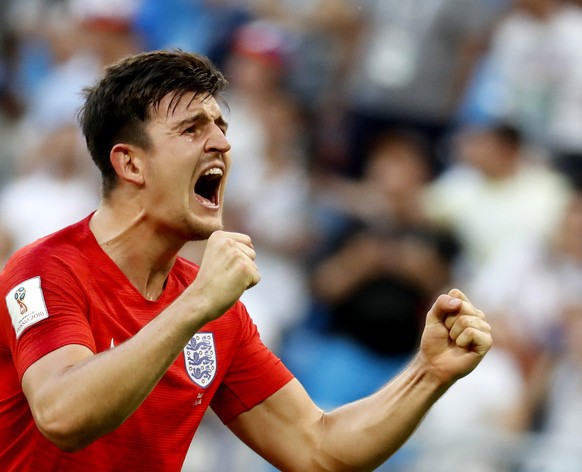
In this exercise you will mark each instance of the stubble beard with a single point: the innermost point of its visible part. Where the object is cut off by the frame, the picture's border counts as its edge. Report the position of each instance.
(202, 232)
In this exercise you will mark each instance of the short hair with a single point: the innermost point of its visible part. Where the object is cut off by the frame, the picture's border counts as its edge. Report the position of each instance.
(118, 107)
(508, 133)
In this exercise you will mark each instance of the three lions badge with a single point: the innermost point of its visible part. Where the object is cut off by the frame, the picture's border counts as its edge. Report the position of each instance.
(200, 359)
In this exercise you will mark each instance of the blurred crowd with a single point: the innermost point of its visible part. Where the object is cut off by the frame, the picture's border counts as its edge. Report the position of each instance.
(384, 151)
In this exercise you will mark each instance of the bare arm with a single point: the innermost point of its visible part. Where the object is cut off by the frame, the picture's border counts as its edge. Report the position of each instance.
(76, 396)
(290, 431)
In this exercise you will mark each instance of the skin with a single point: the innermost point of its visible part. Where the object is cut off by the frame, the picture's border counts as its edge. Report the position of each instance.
(142, 225)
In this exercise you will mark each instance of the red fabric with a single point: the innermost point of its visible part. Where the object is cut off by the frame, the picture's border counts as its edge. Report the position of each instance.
(91, 302)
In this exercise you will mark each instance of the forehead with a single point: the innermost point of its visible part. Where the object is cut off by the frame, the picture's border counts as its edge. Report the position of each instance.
(172, 109)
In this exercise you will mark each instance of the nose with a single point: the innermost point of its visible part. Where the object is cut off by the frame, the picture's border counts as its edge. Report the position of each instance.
(217, 141)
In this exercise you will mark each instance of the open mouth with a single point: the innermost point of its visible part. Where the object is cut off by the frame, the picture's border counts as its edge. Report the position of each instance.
(207, 187)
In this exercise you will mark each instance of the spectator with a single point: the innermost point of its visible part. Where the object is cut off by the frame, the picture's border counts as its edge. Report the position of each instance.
(411, 67)
(380, 265)
(204, 26)
(558, 449)
(10, 105)
(52, 190)
(496, 194)
(532, 76)
(323, 33)
(544, 284)
(83, 37)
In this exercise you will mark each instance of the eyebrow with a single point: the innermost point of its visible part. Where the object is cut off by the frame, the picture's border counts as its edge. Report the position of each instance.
(201, 117)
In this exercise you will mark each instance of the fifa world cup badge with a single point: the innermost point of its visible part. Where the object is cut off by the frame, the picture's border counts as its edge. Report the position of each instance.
(26, 305)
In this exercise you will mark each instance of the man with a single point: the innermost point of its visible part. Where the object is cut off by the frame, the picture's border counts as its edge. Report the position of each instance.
(112, 347)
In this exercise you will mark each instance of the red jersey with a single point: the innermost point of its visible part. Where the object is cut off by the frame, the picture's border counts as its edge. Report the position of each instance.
(64, 289)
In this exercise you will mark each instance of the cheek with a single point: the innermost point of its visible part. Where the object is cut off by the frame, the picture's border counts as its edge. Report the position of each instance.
(227, 156)
(228, 163)
(175, 175)
(171, 189)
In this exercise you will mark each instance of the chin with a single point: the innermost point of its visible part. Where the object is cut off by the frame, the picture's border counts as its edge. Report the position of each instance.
(202, 231)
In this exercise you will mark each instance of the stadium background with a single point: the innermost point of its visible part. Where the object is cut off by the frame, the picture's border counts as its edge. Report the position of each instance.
(384, 151)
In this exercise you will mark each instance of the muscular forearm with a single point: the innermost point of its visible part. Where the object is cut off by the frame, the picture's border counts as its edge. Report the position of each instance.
(94, 394)
(290, 431)
(362, 435)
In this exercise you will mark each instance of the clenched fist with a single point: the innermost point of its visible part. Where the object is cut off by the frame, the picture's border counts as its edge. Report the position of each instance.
(227, 269)
(455, 338)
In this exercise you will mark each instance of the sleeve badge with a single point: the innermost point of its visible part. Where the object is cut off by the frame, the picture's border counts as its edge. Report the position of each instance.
(26, 305)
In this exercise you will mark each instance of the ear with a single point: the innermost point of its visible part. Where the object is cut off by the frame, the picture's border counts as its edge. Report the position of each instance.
(128, 163)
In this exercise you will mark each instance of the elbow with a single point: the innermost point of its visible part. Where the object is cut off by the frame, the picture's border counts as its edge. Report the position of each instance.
(331, 463)
(66, 441)
(63, 436)
(334, 463)
(68, 445)
(331, 455)
(64, 430)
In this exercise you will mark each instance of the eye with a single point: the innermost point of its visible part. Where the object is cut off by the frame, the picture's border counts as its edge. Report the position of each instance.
(192, 129)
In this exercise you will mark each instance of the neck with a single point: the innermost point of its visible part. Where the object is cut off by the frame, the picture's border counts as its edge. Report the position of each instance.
(136, 247)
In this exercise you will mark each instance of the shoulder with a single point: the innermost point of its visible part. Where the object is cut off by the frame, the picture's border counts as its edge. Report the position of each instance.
(64, 251)
(54, 264)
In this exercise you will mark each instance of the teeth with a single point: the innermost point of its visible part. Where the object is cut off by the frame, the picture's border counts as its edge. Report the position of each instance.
(213, 171)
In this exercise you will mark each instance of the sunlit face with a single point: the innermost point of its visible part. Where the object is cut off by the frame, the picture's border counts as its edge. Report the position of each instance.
(186, 167)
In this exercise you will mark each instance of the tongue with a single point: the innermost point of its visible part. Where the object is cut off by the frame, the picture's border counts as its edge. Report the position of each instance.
(204, 201)
(201, 199)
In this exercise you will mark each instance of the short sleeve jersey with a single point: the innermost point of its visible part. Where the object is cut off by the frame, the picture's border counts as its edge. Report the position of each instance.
(64, 290)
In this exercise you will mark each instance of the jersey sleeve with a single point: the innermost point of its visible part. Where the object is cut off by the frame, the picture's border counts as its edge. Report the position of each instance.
(254, 375)
(44, 307)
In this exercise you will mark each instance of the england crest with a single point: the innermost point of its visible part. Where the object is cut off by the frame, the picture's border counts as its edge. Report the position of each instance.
(200, 359)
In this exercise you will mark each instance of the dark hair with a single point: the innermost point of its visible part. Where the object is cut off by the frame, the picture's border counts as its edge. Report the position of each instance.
(119, 105)
(507, 133)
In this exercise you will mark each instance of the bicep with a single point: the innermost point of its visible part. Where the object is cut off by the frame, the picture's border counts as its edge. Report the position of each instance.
(284, 428)
(45, 371)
